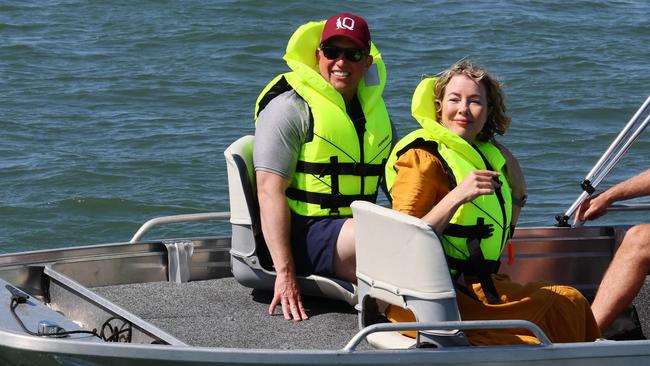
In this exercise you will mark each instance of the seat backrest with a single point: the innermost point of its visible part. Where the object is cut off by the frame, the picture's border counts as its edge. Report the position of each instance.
(251, 261)
(400, 251)
(239, 157)
(247, 239)
(400, 261)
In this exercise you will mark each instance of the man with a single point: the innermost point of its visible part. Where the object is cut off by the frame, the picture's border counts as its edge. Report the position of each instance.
(626, 273)
(322, 137)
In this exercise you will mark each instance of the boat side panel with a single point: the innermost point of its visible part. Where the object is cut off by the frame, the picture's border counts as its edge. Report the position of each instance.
(113, 264)
(576, 257)
(95, 272)
(27, 278)
(211, 259)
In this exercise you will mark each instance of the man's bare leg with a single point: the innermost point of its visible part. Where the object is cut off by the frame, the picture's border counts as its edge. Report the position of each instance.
(624, 277)
(344, 256)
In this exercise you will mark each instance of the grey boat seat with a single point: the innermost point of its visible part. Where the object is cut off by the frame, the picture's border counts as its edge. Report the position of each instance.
(400, 261)
(250, 259)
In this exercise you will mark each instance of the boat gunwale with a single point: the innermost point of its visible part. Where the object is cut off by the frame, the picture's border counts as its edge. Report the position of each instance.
(515, 354)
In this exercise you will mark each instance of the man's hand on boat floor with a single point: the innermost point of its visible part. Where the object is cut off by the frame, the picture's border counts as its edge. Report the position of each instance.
(287, 294)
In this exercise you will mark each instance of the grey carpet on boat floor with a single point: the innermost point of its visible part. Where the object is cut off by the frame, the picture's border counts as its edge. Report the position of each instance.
(222, 313)
(642, 306)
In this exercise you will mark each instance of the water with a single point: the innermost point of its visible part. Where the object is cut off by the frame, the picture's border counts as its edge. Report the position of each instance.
(114, 112)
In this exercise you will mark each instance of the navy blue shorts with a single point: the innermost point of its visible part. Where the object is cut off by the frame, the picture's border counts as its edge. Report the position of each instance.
(313, 241)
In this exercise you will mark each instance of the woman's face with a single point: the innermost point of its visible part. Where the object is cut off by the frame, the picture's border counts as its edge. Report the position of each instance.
(464, 108)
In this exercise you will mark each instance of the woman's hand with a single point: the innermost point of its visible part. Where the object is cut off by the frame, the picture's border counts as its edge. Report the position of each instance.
(476, 183)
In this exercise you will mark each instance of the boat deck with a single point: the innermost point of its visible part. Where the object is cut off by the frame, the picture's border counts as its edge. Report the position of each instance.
(222, 313)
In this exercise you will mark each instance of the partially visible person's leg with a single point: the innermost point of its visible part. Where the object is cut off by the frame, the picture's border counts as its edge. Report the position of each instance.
(324, 246)
(624, 277)
(344, 256)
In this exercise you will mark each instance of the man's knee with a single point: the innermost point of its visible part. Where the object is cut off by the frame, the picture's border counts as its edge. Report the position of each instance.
(639, 233)
(637, 241)
(345, 242)
(345, 253)
(641, 230)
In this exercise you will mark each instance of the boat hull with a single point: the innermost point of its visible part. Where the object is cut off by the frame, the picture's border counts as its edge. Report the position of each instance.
(575, 256)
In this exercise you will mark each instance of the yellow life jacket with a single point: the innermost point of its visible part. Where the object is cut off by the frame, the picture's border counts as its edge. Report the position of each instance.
(338, 165)
(472, 221)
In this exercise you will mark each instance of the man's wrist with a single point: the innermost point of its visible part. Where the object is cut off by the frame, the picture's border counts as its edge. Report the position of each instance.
(607, 198)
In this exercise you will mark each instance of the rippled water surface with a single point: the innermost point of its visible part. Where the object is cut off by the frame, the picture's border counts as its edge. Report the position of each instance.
(114, 112)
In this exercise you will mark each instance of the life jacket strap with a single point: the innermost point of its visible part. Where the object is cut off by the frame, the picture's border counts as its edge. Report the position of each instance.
(465, 266)
(328, 201)
(334, 183)
(334, 169)
(281, 86)
(484, 276)
(469, 231)
(476, 264)
(321, 169)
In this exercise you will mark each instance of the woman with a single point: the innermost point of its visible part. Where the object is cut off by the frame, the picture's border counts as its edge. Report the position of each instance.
(470, 189)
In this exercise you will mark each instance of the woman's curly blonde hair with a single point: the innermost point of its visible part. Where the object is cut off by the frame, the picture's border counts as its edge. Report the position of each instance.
(497, 120)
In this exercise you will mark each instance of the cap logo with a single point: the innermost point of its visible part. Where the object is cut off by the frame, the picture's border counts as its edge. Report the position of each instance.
(345, 23)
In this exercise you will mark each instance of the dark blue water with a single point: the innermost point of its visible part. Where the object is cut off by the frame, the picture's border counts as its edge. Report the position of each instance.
(114, 112)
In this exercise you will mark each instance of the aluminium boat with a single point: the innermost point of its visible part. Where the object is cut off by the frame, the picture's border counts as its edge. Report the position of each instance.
(127, 292)
(204, 301)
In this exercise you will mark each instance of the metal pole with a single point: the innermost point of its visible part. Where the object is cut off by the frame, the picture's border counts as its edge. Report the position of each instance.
(618, 139)
(621, 152)
(590, 183)
(177, 219)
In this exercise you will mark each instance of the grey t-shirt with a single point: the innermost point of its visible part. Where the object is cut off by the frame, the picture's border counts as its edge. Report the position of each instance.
(282, 129)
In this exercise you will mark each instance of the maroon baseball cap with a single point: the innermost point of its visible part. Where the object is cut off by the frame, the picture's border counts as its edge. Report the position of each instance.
(350, 26)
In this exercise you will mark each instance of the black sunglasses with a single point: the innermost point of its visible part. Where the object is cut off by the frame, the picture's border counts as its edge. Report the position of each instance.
(334, 52)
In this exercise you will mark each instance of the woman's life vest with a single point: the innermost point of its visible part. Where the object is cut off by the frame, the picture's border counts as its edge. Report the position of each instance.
(339, 164)
(478, 230)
